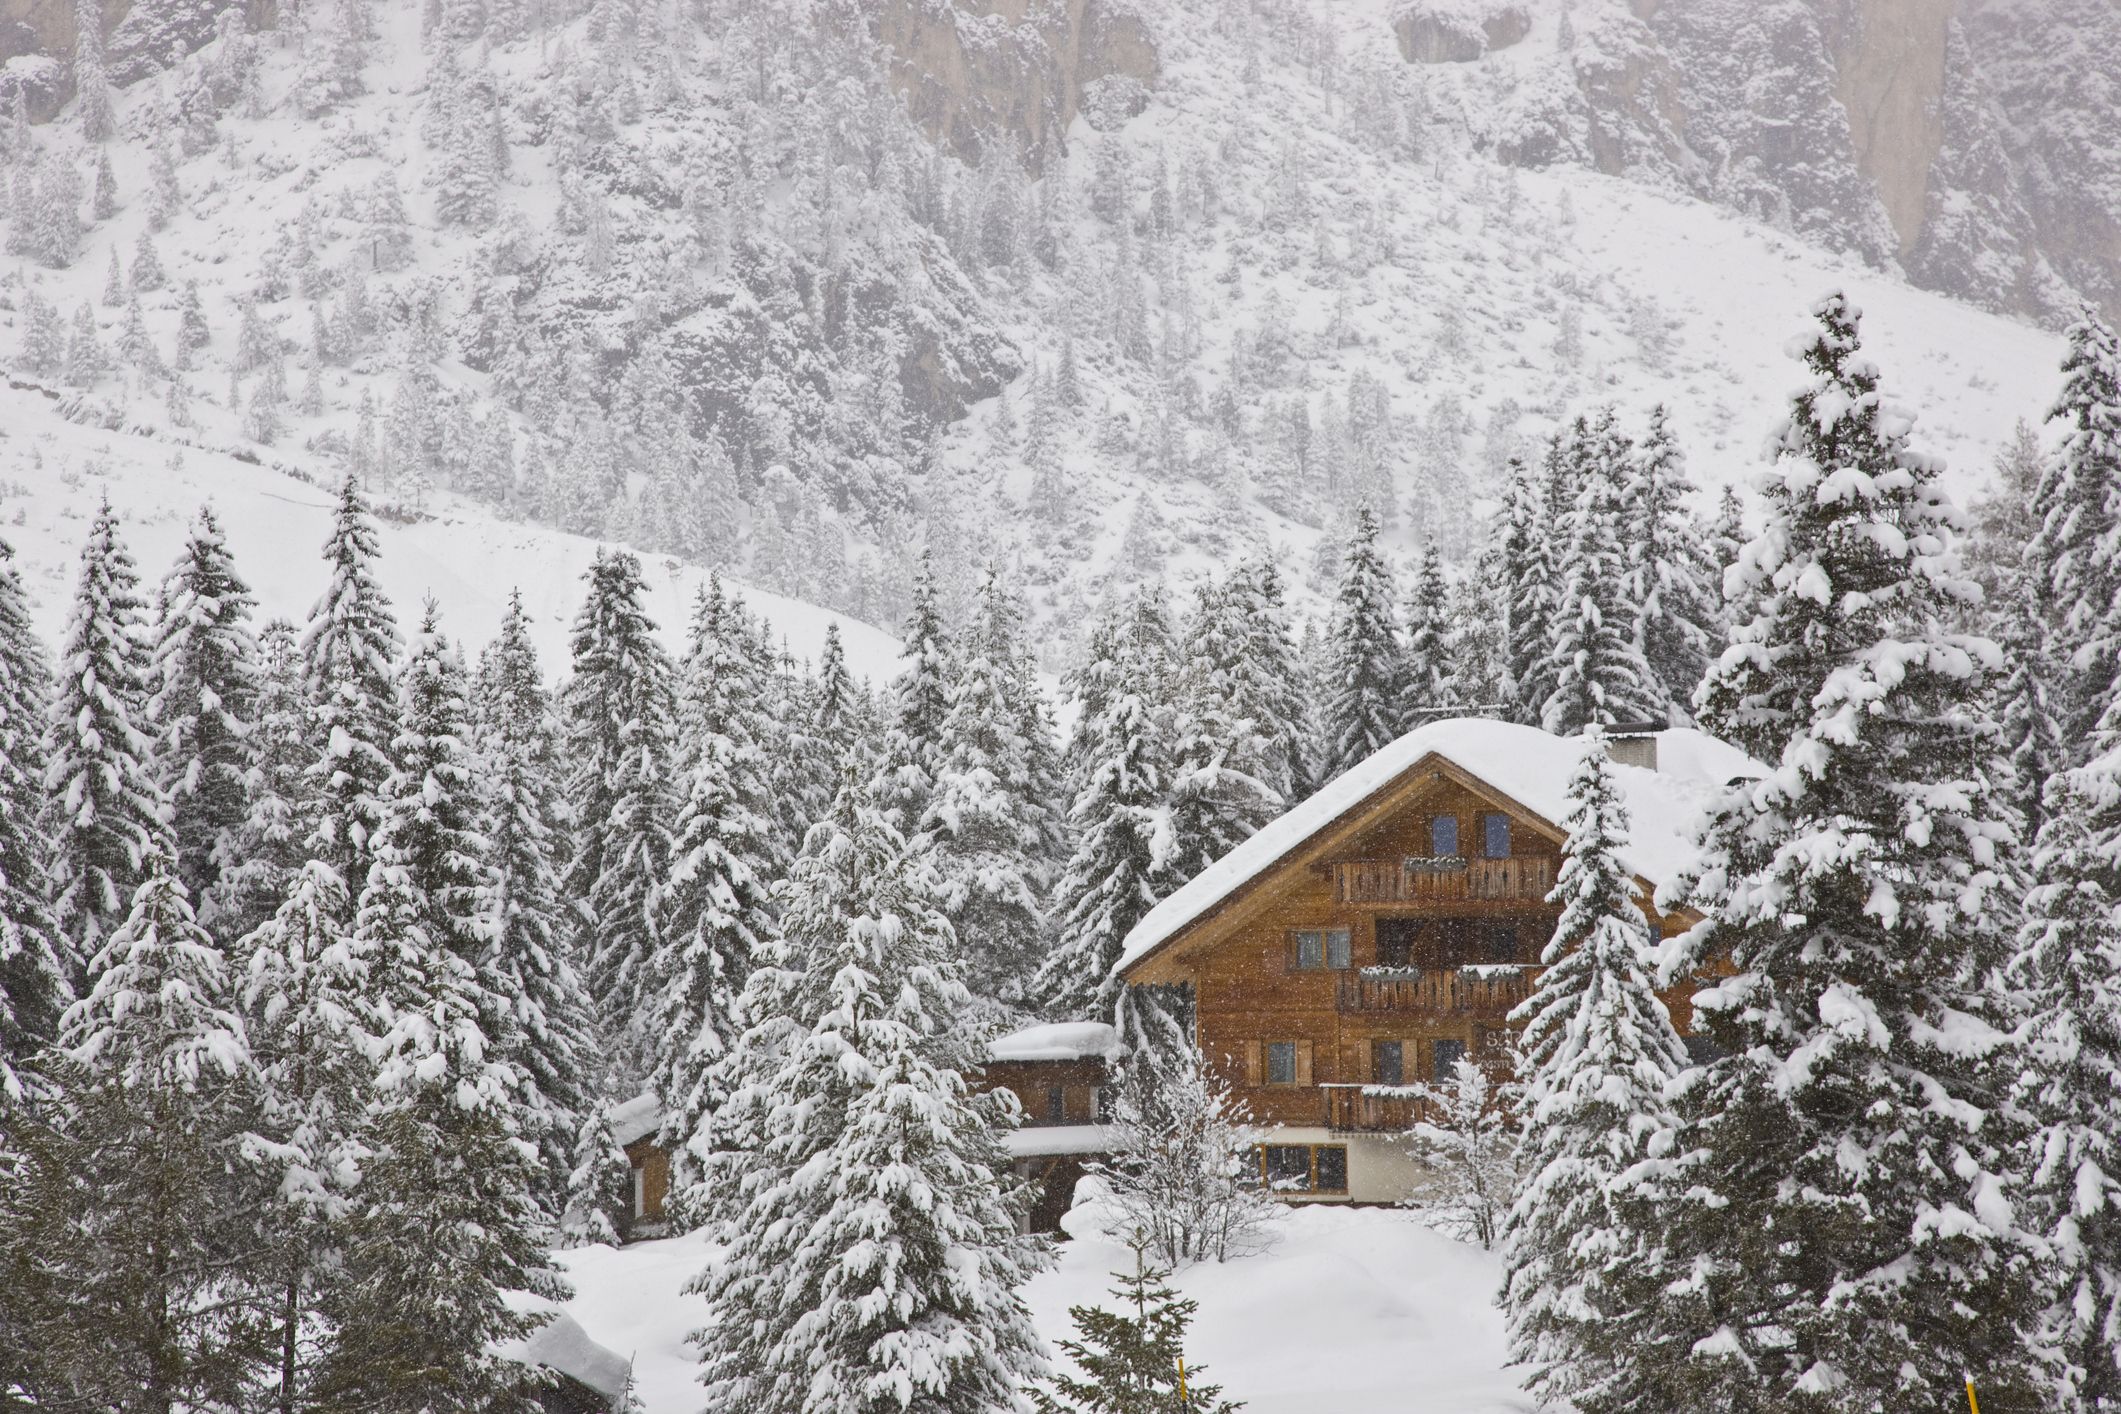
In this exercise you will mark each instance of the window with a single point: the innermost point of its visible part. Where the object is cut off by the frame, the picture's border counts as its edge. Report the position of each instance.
(1502, 942)
(1281, 1062)
(640, 1193)
(1395, 941)
(1443, 834)
(1305, 1168)
(1495, 836)
(1056, 1105)
(1447, 1055)
(1100, 1104)
(1317, 948)
(1388, 1063)
(1288, 1166)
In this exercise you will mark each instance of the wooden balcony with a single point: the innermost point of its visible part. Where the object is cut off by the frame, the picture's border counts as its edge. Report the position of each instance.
(1487, 995)
(1348, 1110)
(1408, 881)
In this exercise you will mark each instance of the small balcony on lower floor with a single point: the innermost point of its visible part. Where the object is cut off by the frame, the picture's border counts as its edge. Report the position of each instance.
(1355, 1109)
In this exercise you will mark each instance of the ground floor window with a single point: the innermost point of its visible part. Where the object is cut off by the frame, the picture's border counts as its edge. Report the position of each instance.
(640, 1193)
(1304, 1168)
(1447, 1056)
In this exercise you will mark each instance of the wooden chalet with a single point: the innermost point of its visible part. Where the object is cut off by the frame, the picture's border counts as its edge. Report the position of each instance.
(1062, 1075)
(1385, 928)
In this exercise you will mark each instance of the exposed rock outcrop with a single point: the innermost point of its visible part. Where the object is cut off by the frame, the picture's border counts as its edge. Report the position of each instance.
(972, 70)
(1928, 134)
(1457, 31)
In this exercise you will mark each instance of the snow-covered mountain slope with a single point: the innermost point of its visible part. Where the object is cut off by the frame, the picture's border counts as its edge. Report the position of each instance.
(1362, 1311)
(695, 280)
(57, 473)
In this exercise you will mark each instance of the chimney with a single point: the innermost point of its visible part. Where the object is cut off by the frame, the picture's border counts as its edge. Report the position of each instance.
(1634, 743)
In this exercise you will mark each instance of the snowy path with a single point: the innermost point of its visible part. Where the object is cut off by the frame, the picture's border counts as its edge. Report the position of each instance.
(1353, 1312)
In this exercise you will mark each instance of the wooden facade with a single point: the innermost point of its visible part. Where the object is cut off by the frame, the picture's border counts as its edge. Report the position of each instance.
(651, 1183)
(1051, 1092)
(1391, 942)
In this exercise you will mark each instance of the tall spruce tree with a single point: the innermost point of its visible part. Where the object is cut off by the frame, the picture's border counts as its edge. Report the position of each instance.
(619, 706)
(1672, 580)
(531, 960)
(715, 920)
(1268, 676)
(349, 652)
(203, 710)
(1120, 865)
(915, 707)
(872, 1256)
(1835, 1190)
(273, 842)
(2076, 555)
(35, 984)
(1525, 539)
(1221, 754)
(1364, 696)
(124, 1226)
(2067, 968)
(448, 1176)
(1595, 1056)
(305, 1002)
(1426, 669)
(1598, 672)
(107, 810)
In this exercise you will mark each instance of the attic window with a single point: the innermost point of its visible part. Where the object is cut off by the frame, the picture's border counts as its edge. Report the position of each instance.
(1495, 836)
(1443, 834)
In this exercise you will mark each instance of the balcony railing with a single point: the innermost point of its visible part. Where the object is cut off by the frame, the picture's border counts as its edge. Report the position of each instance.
(1526, 880)
(1349, 1110)
(1488, 993)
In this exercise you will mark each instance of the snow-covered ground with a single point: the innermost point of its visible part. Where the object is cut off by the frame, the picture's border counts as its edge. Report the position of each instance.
(54, 473)
(1356, 1311)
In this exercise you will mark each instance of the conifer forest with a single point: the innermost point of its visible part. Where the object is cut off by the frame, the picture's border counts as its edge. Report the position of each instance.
(1075, 707)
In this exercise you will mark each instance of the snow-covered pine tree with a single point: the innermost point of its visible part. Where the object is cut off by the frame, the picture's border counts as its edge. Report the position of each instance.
(914, 708)
(1426, 677)
(561, 1056)
(35, 981)
(349, 652)
(106, 809)
(1846, 1151)
(2076, 555)
(125, 1215)
(1598, 672)
(273, 842)
(304, 994)
(731, 683)
(1363, 701)
(1120, 864)
(1269, 683)
(448, 1174)
(872, 1256)
(2067, 969)
(714, 918)
(1595, 1055)
(983, 817)
(619, 708)
(203, 709)
(1221, 754)
(1525, 537)
(1133, 1360)
(1672, 580)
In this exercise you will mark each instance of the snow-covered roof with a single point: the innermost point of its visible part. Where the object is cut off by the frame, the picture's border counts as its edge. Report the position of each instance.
(1057, 1041)
(1530, 766)
(636, 1119)
(561, 1344)
(1044, 1140)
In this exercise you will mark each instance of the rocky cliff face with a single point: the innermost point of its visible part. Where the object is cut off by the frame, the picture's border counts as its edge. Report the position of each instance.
(972, 70)
(1975, 144)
